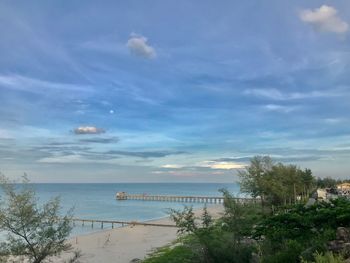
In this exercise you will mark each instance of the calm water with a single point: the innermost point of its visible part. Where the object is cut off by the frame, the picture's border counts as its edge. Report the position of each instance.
(97, 201)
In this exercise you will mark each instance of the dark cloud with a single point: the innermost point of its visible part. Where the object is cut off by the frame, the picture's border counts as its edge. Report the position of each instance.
(59, 143)
(52, 148)
(233, 159)
(22, 155)
(100, 140)
(98, 156)
(150, 154)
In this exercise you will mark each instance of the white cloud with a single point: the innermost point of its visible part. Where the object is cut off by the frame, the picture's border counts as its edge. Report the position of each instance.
(172, 166)
(88, 130)
(22, 83)
(334, 120)
(275, 94)
(221, 165)
(138, 46)
(5, 134)
(325, 19)
(75, 158)
(279, 108)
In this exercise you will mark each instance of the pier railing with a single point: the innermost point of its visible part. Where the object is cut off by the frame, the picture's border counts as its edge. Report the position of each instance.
(174, 198)
(114, 223)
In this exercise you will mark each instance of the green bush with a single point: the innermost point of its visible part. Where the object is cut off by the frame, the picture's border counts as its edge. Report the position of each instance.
(328, 257)
(179, 253)
(296, 234)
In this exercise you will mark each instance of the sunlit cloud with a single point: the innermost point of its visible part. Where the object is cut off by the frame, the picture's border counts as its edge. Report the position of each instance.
(172, 166)
(88, 130)
(221, 165)
(325, 18)
(138, 46)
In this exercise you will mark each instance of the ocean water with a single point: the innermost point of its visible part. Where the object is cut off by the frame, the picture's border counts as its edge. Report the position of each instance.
(97, 201)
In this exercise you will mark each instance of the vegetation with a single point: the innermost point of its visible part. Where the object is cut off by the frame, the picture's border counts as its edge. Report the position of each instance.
(327, 182)
(292, 232)
(202, 240)
(328, 257)
(34, 232)
(301, 231)
(276, 184)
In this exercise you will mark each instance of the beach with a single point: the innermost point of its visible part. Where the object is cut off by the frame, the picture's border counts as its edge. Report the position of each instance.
(124, 244)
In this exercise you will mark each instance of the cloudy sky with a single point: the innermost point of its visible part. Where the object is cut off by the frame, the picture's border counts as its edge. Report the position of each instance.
(182, 91)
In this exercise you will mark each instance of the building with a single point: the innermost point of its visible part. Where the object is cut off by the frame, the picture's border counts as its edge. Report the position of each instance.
(343, 186)
(121, 196)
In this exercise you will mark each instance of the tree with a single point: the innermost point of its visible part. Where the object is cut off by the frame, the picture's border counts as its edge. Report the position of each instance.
(206, 218)
(252, 179)
(327, 182)
(184, 220)
(276, 184)
(34, 232)
(223, 241)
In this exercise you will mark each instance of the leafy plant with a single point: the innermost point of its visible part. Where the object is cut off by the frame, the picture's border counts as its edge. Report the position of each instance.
(33, 232)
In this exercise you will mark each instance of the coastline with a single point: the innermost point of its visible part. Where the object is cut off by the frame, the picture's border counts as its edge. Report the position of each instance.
(124, 244)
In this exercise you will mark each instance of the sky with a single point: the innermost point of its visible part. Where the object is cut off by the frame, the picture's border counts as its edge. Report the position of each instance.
(172, 91)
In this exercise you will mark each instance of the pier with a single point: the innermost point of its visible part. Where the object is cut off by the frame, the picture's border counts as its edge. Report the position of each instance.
(183, 199)
(113, 223)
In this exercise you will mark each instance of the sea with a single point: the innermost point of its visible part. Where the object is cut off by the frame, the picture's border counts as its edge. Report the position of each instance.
(97, 201)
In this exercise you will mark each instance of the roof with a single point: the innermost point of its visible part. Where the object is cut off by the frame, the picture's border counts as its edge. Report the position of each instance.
(344, 185)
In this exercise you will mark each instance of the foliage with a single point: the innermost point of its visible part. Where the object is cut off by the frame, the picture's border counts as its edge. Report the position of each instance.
(185, 220)
(287, 251)
(301, 231)
(207, 219)
(253, 177)
(327, 257)
(178, 253)
(301, 222)
(326, 182)
(247, 233)
(34, 232)
(239, 218)
(208, 241)
(297, 234)
(276, 184)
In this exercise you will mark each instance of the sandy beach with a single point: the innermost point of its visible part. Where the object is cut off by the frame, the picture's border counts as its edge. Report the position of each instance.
(121, 245)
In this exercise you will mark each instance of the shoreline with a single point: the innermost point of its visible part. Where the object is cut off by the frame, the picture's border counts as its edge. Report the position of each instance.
(153, 220)
(123, 244)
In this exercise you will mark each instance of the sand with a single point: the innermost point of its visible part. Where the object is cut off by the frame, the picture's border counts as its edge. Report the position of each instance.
(121, 245)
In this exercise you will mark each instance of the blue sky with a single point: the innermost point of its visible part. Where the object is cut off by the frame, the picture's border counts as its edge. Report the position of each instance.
(172, 91)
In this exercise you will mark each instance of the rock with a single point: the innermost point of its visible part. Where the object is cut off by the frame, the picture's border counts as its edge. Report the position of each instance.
(343, 234)
(310, 202)
(335, 246)
(342, 242)
(135, 260)
(346, 250)
(255, 258)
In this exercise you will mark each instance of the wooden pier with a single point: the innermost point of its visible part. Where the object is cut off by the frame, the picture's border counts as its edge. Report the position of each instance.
(183, 199)
(113, 223)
